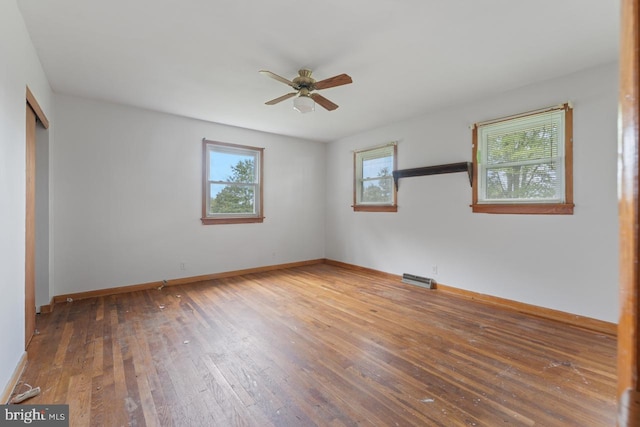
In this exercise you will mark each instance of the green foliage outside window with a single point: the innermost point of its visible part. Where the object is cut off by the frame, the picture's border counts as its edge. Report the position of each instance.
(238, 194)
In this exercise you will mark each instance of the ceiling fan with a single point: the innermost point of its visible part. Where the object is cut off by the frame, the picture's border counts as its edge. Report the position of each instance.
(305, 85)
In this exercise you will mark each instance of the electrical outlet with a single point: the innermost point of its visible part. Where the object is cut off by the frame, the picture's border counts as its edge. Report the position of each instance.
(434, 269)
(183, 266)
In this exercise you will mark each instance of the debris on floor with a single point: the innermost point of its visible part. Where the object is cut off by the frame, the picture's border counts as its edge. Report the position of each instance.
(26, 395)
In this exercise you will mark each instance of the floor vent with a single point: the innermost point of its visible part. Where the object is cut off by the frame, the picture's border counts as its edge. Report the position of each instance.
(412, 279)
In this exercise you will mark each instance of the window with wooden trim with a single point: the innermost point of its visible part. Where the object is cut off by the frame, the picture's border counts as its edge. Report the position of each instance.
(524, 164)
(374, 190)
(231, 183)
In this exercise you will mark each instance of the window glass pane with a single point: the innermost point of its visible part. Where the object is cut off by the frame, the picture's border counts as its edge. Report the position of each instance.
(377, 191)
(232, 199)
(231, 167)
(530, 181)
(378, 167)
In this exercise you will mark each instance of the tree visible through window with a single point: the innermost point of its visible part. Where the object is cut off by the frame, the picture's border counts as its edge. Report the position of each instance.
(235, 196)
(232, 187)
(523, 164)
(378, 188)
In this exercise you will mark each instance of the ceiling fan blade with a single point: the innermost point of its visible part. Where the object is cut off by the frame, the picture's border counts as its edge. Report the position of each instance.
(281, 98)
(279, 78)
(339, 80)
(324, 102)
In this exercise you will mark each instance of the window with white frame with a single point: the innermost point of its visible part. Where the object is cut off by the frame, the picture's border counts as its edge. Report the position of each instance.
(232, 183)
(523, 163)
(374, 189)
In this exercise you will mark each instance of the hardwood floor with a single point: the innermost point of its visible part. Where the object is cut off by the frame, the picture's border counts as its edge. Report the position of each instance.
(316, 345)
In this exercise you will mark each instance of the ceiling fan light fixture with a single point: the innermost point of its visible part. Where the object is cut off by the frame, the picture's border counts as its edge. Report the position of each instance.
(304, 104)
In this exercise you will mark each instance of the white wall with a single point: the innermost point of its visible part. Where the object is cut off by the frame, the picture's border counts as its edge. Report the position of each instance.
(19, 67)
(568, 263)
(127, 199)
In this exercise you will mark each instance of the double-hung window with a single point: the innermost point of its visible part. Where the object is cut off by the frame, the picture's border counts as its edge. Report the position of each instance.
(523, 163)
(374, 189)
(232, 183)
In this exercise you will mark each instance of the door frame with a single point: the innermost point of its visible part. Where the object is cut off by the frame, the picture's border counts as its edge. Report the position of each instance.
(33, 107)
(628, 392)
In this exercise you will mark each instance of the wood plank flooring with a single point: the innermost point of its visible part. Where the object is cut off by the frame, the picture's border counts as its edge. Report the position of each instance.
(316, 345)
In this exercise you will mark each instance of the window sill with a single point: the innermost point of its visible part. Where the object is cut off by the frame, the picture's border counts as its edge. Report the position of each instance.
(212, 221)
(529, 209)
(375, 208)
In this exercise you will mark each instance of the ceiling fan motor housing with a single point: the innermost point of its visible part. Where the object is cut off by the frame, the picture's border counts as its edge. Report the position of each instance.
(304, 80)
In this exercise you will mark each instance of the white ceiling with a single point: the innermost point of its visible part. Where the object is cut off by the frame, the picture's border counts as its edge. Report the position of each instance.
(200, 58)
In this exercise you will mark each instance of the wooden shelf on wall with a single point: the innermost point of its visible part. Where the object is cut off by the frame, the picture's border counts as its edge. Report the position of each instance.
(435, 170)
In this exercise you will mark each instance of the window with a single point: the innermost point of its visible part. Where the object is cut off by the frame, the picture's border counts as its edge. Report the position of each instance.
(374, 190)
(524, 163)
(232, 183)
